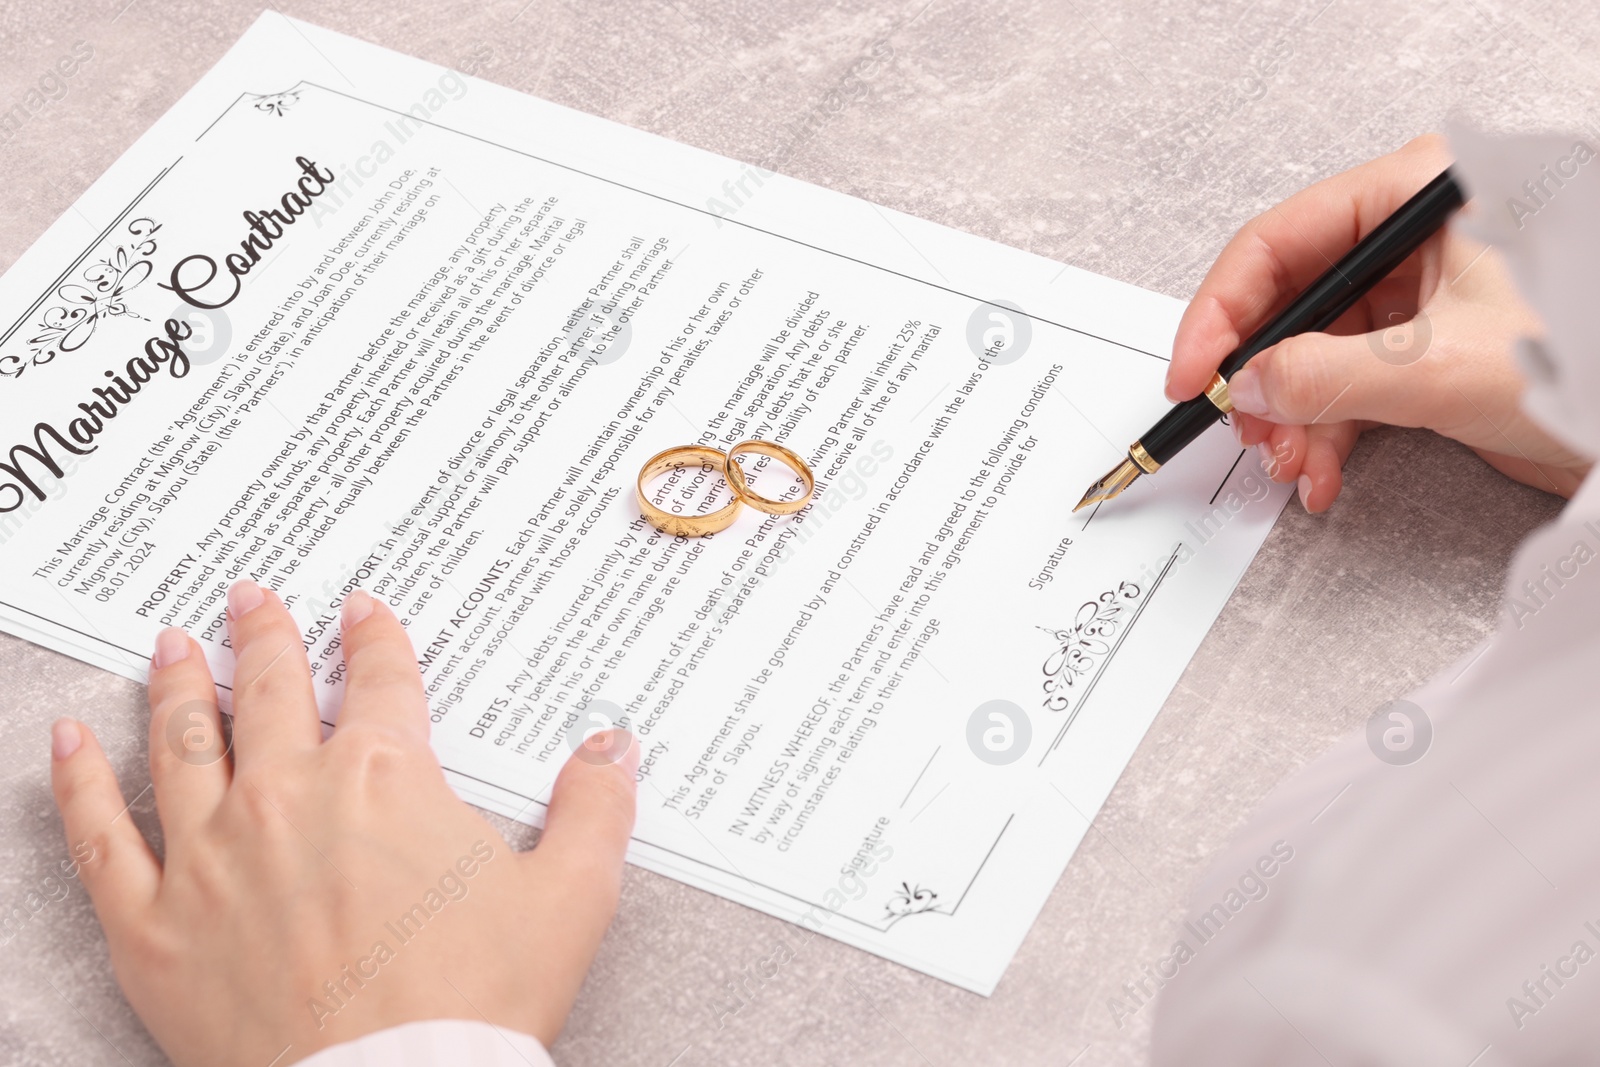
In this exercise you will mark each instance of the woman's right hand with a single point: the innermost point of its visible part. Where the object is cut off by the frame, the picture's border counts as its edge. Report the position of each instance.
(1431, 346)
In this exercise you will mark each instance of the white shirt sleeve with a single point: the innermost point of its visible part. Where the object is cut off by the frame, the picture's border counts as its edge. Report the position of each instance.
(436, 1043)
(1425, 892)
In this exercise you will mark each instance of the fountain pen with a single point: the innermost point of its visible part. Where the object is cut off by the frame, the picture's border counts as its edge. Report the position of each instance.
(1315, 309)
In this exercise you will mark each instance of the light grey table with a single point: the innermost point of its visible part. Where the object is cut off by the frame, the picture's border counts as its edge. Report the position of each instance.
(1129, 137)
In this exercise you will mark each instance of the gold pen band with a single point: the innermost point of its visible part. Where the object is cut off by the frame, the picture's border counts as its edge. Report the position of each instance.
(1146, 463)
(1217, 392)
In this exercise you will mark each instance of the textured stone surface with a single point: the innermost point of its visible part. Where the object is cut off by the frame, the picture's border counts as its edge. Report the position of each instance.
(1124, 137)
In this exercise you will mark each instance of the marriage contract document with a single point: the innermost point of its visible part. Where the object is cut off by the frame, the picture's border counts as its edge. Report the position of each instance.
(344, 318)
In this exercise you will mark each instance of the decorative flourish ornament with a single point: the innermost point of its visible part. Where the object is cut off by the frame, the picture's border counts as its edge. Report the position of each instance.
(100, 293)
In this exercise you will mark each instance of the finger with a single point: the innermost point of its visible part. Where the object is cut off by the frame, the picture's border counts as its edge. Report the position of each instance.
(1281, 251)
(1322, 474)
(1282, 452)
(274, 711)
(587, 831)
(114, 862)
(188, 752)
(1251, 430)
(383, 685)
(1318, 377)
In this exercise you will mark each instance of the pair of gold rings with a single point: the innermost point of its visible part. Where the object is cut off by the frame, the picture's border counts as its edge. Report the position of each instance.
(727, 464)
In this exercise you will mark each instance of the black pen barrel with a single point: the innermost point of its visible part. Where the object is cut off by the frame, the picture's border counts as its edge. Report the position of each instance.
(1178, 427)
(1373, 259)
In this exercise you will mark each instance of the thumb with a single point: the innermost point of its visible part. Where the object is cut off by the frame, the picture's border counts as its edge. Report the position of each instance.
(1325, 378)
(589, 825)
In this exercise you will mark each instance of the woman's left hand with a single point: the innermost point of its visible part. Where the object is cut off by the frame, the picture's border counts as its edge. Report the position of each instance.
(314, 891)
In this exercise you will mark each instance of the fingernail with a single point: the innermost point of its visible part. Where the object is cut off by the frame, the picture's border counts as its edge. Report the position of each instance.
(172, 646)
(1238, 431)
(65, 737)
(357, 606)
(245, 597)
(615, 746)
(1305, 491)
(1245, 390)
(1268, 460)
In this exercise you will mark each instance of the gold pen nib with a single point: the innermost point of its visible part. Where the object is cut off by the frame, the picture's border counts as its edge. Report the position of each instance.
(1120, 477)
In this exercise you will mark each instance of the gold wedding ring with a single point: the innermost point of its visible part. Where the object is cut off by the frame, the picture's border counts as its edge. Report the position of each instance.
(674, 459)
(742, 490)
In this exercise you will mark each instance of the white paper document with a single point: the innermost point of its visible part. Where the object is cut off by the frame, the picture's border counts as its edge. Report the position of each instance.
(347, 318)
